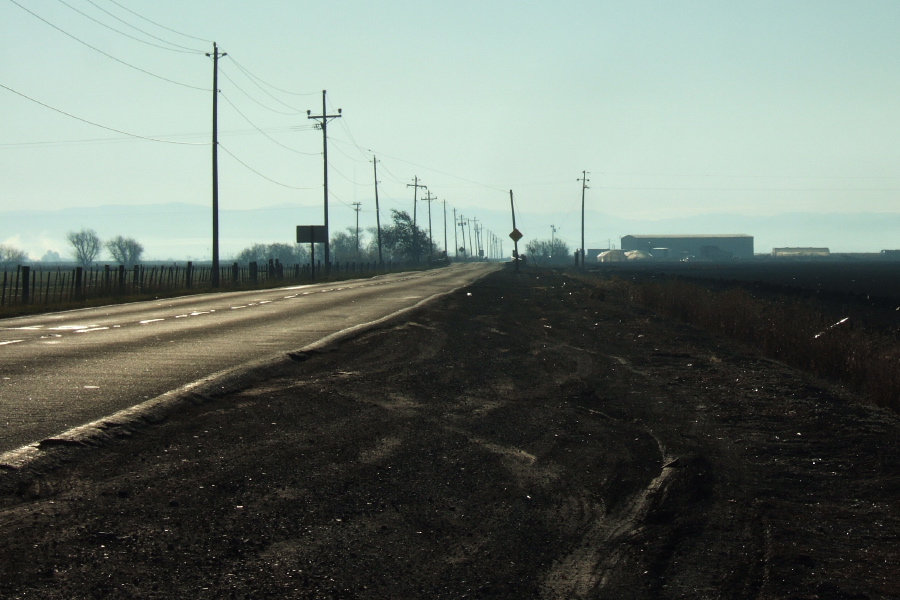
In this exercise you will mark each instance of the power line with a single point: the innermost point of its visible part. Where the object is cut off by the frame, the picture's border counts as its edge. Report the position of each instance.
(394, 177)
(478, 183)
(336, 197)
(241, 90)
(106, 54)
(110, 140)
(251, 75)
(159, 25)
(134, 135)
(293, 187)
(330, 164)
(344, 153)
(353, 140)
(273, 140)
(264, 91)
(186, 50)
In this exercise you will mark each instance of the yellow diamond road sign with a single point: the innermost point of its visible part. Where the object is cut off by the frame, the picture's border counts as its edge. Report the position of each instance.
(516, 235)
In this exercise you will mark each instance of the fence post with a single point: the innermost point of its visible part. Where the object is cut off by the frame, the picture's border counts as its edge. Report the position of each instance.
(254, 273)
(189, 274)
(26, 282)
(79, 281)
(122, 279)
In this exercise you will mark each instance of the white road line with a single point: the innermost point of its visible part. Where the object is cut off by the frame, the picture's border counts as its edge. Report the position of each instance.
(150, 321)
(90, 330)
(10, 342)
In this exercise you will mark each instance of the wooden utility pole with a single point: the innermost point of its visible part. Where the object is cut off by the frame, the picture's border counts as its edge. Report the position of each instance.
(323, 123)
(428, 199)
(357, 206)
(584, 186)
(515, 232)
(415, 186)
(455, 239)
(446, 250)
(377, 210)
(214, 275)
(462, 227)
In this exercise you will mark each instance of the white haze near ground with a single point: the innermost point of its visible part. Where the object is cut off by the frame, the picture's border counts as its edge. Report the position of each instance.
(768, 118)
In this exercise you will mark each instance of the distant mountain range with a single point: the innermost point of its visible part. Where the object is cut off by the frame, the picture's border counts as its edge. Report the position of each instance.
(181, 232)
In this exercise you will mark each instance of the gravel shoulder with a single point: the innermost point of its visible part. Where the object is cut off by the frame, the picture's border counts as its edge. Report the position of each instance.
(530, 436)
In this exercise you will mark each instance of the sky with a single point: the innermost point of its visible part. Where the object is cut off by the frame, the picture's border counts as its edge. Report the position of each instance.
(674, 109)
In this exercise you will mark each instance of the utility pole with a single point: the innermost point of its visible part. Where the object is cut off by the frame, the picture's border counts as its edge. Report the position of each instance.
(462, 227)
(471, 247)
(512, 205)
(323, 123)
(584, 186)
(428, 199)
(477, 250)
(446, 250)
(357, 205)
(415, 186)
(455, 239)
(377, 209)
(214, 276)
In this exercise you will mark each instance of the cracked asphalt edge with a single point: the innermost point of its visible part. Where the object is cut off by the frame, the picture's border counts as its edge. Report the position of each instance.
(20, 465)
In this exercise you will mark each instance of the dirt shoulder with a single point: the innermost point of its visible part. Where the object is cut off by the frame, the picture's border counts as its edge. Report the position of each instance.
(530, 436)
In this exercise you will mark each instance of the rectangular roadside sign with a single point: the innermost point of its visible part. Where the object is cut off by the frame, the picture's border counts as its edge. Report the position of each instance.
(311, 234)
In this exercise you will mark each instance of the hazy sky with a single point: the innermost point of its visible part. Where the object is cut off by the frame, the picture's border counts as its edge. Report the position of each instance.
(674, 108)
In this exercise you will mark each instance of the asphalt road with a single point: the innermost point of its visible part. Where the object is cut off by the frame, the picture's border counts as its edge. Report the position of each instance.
(62, 370)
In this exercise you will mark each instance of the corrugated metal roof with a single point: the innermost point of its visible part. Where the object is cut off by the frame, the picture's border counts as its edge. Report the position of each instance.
(698, 235)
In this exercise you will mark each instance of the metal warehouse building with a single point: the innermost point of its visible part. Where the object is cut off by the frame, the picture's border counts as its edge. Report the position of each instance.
(701, 246)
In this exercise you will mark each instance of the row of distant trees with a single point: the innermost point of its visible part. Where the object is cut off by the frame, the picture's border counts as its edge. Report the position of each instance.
(86, 246)
(402, 240)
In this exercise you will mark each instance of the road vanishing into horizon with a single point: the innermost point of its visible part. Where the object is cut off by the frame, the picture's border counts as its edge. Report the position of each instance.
(62, 370)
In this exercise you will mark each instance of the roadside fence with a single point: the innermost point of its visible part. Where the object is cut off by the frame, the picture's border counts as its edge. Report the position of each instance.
(37, 285)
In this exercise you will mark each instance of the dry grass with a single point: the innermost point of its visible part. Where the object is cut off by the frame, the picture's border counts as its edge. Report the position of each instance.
(789, 330)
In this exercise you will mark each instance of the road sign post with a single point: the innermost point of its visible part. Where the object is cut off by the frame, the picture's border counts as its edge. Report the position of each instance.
(312, 235)
(516, 235)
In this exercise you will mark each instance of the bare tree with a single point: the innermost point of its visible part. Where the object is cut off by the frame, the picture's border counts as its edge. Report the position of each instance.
(127, 251)
(11, 256)
(548, 251)
(86, 244)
